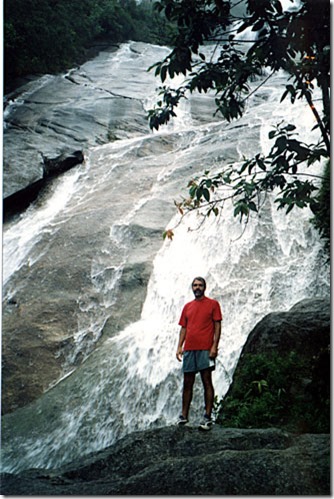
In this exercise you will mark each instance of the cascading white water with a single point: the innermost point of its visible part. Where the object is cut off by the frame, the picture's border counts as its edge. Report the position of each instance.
(133, 381)
(22, 236)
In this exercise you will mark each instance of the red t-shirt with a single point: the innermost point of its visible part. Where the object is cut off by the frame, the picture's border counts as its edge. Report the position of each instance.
(198, 317)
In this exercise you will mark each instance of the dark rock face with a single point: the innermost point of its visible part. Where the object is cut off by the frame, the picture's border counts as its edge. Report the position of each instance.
(62, 163)
(183, 461)
(19, 201)
(305, 328)
(52, 167)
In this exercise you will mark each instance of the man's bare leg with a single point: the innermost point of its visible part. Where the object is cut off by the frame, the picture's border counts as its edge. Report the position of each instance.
(188, 383)
(209, 393)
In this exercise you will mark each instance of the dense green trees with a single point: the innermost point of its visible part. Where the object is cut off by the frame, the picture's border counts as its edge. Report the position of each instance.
(42, 36)
(296, 41)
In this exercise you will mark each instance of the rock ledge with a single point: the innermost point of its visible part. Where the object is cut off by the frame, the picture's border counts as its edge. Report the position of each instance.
(184, 461)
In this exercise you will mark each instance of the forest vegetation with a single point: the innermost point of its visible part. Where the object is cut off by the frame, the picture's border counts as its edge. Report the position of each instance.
(49, 36)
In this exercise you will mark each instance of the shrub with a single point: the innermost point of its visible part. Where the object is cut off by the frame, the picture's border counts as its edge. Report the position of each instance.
(272, 390)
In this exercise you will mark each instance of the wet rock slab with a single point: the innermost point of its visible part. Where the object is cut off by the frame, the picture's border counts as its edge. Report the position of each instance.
(184, 461)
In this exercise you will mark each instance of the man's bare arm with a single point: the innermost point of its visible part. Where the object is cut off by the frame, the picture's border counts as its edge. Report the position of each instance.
(216, 338)
(182, 337)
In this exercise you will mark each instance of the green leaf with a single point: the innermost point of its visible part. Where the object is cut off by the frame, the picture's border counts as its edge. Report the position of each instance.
(290, 207)
(260, 162)
(199, 193)
(252, 206)
(192, 190)
(206, 194)
(163, 73)
(281, 144)
(284, 95)
(290, 128)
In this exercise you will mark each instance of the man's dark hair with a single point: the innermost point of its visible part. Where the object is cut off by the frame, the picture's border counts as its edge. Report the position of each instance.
(199, 279)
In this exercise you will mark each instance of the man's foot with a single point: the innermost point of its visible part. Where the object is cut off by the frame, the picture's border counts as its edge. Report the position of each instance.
(182, 421)
(206, 423)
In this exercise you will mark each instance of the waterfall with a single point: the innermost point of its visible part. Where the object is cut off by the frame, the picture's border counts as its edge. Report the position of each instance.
(132, 380)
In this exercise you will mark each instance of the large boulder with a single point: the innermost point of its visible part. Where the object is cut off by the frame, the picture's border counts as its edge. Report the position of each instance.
(304, 328)
(181, 461)
(283, 373)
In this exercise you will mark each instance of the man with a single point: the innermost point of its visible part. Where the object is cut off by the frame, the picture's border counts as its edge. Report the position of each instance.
(198, 347)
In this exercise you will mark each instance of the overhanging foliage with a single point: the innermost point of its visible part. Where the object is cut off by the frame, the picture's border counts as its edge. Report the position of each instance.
(296, 41)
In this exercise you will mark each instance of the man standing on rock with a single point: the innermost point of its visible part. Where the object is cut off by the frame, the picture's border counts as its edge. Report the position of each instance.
(200, 323)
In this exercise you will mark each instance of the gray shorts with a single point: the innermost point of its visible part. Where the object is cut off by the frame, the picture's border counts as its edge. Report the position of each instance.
(197, 360)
